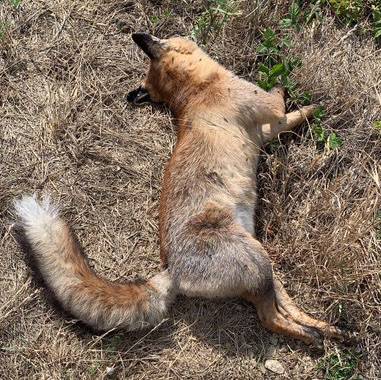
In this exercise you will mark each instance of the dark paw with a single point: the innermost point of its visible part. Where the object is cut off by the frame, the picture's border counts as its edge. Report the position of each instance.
(138, 96)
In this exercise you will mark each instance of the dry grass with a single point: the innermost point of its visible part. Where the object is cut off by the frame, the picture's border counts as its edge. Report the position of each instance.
(65, 68)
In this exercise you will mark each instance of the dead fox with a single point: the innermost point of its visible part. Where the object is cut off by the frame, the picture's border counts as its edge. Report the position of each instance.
(207, 238)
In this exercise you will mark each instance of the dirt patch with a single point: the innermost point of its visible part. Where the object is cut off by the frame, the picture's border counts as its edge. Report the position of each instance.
(66, 129)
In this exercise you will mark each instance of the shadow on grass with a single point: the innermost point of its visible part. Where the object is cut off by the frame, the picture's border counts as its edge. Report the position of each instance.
(227, 326)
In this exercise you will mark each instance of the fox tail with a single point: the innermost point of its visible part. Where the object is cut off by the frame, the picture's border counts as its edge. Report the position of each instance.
(99, 303)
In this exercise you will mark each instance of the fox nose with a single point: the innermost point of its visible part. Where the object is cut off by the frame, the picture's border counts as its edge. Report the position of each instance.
(138, 96)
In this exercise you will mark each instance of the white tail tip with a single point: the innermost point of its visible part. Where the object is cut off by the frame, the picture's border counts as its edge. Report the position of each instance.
(29, 210)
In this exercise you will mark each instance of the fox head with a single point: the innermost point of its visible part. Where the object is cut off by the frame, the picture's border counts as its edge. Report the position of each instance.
(179, 74)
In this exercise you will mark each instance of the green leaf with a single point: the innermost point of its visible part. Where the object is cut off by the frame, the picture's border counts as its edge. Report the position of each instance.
(295, 10)
(263, 69)
(377, 125)
(261, 49)
(286, 23)
(269, 34)
(334, 141)
(319, 114)
(285, 42)
(264, 84)
(306, 98)
(277, 70)
(319, 133)
(15, 3)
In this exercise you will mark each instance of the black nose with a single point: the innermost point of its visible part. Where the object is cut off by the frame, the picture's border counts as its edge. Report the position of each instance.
(138, 96)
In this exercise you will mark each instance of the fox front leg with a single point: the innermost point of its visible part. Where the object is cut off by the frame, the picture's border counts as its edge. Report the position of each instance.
(287, 123)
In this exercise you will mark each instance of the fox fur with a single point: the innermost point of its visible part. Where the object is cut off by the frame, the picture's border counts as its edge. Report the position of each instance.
(207, 238)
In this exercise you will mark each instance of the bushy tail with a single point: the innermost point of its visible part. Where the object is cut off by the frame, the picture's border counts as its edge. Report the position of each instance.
(99, 303)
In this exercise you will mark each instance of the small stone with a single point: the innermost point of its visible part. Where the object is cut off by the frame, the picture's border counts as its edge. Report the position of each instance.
(274, 366)
(110, 371)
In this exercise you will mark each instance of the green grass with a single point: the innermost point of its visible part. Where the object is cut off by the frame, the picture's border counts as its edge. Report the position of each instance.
(212, 20)
(377, 125)
(15, 3)
(324, 139)
(348, 12)
(275, 66)
(293, 20)
(341, 365)
(157, 19)
(376, 16)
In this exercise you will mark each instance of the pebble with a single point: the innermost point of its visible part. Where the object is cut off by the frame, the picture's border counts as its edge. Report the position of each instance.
(274, 366)
(110, 371)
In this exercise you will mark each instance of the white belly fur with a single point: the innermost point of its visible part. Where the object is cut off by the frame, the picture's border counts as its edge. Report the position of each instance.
(244, 216)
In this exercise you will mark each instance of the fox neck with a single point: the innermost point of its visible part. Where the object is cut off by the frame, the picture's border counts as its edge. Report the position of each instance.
(195, 98)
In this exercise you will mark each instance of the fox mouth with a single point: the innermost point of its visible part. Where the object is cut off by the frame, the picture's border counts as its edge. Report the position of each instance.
(139, 96)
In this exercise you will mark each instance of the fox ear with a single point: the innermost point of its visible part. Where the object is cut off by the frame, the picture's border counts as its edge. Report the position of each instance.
(151, 45)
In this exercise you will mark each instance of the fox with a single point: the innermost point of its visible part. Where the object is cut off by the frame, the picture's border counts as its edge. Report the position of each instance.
(208, 244)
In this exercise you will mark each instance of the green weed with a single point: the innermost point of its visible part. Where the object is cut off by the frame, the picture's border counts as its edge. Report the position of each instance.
(314, 11)
(269, 75)
(377, 125)
(275, 67)
(376, 16)
(157, 19)
(349, 12)
(15, 3)
(293, 19)
(212, 20)
(270, 48)
(334, 141)
(322, 137)
(340, 365)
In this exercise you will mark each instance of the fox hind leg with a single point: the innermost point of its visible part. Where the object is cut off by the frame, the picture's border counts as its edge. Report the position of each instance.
(279, 322)
(278, 313)
(289, 308)
(219, 259)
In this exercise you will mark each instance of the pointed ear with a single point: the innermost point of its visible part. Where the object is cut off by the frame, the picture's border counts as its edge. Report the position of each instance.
(151, 45)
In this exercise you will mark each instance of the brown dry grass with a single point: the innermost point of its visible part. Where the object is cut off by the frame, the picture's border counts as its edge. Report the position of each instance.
(65, 68)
